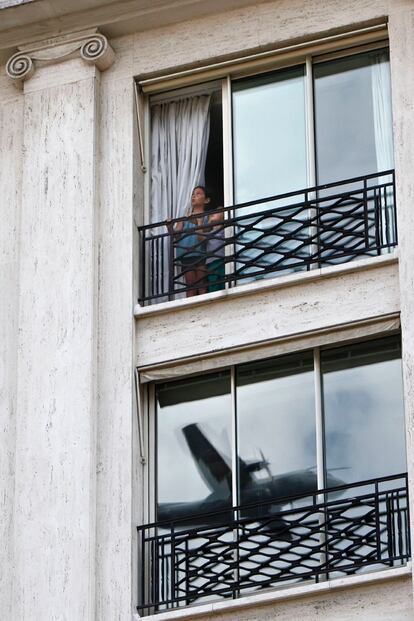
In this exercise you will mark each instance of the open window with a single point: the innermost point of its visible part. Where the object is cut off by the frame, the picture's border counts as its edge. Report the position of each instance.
(299, 161)
(186, 148)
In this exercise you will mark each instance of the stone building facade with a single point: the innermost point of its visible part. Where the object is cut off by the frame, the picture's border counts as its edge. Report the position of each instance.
(77, 456)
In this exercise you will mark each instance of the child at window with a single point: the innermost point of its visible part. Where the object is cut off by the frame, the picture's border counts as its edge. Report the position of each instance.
(190, 243)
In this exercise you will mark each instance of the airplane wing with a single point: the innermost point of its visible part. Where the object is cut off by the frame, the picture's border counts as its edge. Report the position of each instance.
(213, 469)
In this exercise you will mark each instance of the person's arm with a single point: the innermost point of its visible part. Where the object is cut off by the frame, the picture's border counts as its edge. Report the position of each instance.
(212, 221)
(174, 228)
(217, 218)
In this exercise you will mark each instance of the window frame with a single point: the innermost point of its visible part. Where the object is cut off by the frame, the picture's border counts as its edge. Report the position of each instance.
(304, 55)
(147, 489)
(307, 60)
(150, 487)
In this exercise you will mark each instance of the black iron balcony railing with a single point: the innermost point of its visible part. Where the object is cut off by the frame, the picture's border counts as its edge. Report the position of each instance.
(326, 534)
(303, 230)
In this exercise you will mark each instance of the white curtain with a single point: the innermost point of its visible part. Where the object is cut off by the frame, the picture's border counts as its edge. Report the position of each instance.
(179, 142)
(381, 98)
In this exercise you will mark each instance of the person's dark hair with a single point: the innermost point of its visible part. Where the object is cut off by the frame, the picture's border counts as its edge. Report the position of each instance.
(211, 205)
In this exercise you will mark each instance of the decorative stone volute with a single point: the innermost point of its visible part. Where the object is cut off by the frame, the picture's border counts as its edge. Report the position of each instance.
(20, 67)
(90, 45)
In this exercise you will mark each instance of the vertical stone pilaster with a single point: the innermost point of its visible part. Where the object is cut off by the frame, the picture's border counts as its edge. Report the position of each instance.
(115, 388)
(11, 137)
(401, 29)
(55, 496)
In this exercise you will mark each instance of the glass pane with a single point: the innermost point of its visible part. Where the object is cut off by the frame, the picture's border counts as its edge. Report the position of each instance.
(270, 158)
(363, 408)
(193, 446)
(277, 459)
(269, 134)
(366, 525)
(353, 116)
(353, 124)
(276, 428)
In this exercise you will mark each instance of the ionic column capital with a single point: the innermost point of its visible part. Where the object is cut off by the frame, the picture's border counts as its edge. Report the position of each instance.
(92, 47)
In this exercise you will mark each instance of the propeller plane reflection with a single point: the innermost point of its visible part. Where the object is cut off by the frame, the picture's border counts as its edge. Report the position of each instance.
(215, 470)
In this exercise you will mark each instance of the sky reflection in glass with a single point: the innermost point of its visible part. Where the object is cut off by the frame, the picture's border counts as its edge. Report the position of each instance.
(206, 402)
(269, 135)
(347, 140)
(364, 414)
(276, 419)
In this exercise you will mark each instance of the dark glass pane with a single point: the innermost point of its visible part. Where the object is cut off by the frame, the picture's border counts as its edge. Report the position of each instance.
(363, 408)
(276, 428)
(353, 123)
(353, 116)
(366, 525)
(193, 446)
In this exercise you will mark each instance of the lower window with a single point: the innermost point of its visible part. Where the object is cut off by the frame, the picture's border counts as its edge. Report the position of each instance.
(277, 472)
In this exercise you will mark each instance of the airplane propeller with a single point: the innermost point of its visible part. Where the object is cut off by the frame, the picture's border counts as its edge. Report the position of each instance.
(266, 464)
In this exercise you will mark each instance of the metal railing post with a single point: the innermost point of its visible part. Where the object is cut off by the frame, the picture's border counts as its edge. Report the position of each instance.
(172, 580)
(366, 216)
(142, 275)
(170, 266)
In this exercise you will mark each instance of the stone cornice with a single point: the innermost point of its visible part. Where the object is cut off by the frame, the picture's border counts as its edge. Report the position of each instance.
(90, 45)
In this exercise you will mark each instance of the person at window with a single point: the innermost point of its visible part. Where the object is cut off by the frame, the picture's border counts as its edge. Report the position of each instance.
(215, 245)
(189, 240)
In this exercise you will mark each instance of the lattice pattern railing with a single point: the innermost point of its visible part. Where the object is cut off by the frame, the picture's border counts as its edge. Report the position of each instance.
(303, 230)
(327, 534)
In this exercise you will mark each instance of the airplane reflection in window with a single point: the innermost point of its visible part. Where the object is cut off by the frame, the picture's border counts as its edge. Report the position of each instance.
(217, 475)
(275, 431)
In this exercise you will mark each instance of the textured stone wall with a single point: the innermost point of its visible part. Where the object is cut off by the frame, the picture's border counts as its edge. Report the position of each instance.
(402, 66)
(11, 137)
(267, 314)
(54, 510)
(115, 341)
(71, 189)
(390, 601)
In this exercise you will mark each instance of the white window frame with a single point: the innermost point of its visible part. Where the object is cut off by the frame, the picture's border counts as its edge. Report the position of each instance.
(307, 59)
(202, 79)
(149, 428)
(148, 377)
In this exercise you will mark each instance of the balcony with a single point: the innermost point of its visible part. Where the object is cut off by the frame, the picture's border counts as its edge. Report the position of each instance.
(303, 230)
(322, 535)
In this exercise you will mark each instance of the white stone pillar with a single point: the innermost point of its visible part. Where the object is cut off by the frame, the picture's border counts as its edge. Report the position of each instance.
(401, 32)
(11, 135)
(115, 387)
(55, 480)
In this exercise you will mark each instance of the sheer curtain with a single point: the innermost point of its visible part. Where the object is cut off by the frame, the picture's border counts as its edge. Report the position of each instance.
(382, 113)
(179, 142)
(180, 132)
(381, 98)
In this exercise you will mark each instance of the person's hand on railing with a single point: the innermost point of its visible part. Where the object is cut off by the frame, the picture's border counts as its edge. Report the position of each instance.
(216, 218)
(213, 221)
(174, 228)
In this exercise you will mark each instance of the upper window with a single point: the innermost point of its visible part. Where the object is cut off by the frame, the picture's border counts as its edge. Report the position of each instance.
(255, 144)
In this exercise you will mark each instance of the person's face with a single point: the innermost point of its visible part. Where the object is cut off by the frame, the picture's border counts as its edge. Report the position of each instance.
(198, 198)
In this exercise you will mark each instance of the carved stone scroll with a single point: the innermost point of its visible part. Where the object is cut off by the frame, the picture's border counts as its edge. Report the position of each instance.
(92, 47)
(20, 67)
(98, 52)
